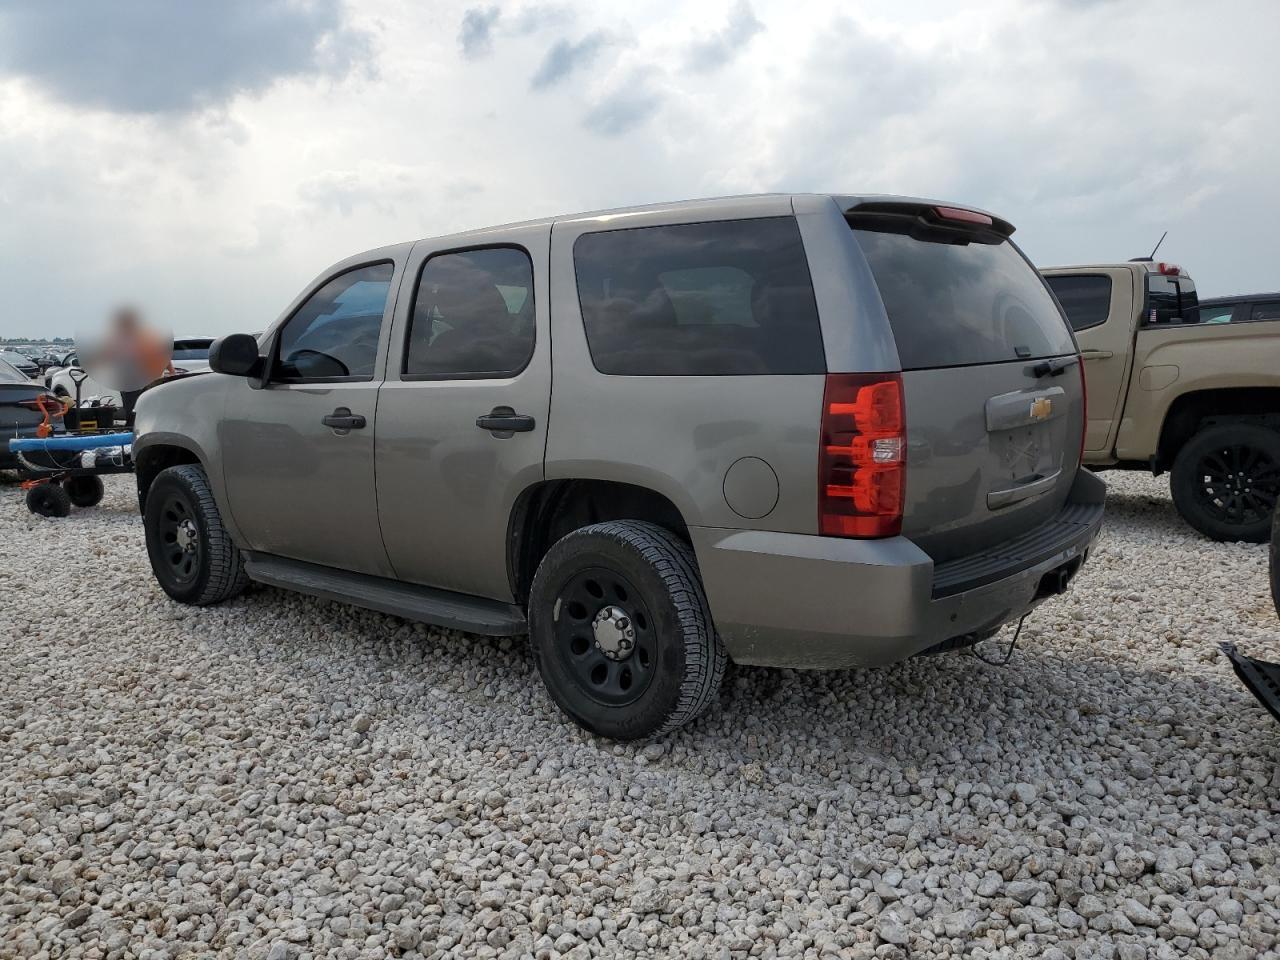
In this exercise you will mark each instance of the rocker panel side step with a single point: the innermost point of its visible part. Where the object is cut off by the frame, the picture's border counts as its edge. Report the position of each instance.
(443, 608)
(1261, 677)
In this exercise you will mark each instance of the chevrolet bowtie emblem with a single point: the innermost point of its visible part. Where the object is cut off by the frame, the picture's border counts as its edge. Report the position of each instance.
(1041, 407)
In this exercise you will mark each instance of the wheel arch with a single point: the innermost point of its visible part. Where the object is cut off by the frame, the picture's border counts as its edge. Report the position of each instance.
(550, 509)
(1190, 411)
(158, 454)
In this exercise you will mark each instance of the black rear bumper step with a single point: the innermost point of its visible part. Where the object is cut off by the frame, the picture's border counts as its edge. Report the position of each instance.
(1261, 677)
(1035, 546)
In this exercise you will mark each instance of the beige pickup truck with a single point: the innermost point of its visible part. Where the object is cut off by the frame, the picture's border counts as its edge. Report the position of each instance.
(1181, 385)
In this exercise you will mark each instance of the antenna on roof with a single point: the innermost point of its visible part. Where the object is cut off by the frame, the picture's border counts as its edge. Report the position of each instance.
(1152, 256)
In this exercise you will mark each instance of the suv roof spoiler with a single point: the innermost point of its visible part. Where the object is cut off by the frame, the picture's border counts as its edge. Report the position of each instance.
(930, 215)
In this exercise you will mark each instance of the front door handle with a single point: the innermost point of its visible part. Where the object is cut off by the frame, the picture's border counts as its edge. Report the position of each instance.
(343, 419)
(1096, 354)
(503, 422)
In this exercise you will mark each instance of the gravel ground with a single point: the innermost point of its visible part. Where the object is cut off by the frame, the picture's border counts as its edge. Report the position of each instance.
(282, 777)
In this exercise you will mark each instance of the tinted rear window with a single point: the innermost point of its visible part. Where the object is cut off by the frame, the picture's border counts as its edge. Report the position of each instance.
(699, 299)
(962, 302)
(1086, 299)
(1171, 300)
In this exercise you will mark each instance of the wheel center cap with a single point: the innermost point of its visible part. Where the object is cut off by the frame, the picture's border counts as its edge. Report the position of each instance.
(615, 635)
(186, 535)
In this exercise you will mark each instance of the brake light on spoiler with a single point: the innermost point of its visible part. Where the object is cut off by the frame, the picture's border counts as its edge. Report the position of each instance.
(862, 461)
(963, 215)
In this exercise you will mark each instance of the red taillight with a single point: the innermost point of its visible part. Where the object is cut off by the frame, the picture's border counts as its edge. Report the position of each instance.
(1169, 269)
(862, 462)
(1084, 407)
(965, 216)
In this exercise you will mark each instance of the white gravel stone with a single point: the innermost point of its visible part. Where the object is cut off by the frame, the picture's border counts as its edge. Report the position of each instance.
(283, 777)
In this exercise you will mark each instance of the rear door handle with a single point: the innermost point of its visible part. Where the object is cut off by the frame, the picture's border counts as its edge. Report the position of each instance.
(343, 419)
(503, 421)
(1096, 354)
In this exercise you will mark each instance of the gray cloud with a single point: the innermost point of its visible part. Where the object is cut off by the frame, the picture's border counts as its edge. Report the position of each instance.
(152, 56)
(481, 25)
(713, 52)
(476, 34)
(566, 56)
(623, 110)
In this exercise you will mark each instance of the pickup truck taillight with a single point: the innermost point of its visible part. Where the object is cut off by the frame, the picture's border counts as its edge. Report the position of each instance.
(862, 461)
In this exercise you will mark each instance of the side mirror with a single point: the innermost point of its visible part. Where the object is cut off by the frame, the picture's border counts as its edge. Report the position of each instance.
(236, 355)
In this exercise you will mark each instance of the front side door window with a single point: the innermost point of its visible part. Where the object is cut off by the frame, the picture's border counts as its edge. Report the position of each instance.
(334, 334)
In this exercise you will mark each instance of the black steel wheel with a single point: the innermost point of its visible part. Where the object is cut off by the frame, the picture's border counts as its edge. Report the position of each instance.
(621, 631)
(192, 555)
(85, 491)
(48, 499)
(604, 636)
(1226, 481)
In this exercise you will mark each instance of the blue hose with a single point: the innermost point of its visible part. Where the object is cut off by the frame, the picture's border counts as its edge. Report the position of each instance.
(87, 441)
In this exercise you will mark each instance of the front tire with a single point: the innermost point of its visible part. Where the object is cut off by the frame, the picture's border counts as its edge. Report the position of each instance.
(1226, 479)
(621, 631)
(192, 555)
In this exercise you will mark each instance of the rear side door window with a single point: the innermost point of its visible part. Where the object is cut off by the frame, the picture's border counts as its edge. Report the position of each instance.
(333, 336)
(472, 316)
(724, 298)
(1085, 298)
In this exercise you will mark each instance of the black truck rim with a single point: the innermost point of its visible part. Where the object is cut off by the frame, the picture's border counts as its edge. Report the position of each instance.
(1238, 484)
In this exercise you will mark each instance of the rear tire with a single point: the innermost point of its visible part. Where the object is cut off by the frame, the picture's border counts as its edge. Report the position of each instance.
(621, 631)
(84, 491)
(1226, 479)
(48, 499)
(192, 555)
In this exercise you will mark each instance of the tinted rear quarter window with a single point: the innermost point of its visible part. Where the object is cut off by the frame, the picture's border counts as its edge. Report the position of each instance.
(725, 298)
(1086, 298)
(961, 301)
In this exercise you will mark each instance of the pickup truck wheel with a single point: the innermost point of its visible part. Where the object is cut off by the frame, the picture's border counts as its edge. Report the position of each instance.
(1226, 480)
(621, 632)
(191, 552)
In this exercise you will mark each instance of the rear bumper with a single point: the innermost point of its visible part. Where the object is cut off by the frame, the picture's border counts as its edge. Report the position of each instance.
(791, 600)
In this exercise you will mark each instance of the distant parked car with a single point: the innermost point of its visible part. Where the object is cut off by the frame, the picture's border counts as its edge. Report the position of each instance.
(20, 409)
(1241, 309)
(1174, 388)
(21, 362)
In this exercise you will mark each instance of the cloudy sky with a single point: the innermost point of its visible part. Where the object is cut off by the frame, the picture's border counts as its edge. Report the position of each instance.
(207, 160)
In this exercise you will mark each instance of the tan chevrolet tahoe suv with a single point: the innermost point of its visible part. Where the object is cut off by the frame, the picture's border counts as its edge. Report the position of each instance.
(809, 431)
(1180, 385)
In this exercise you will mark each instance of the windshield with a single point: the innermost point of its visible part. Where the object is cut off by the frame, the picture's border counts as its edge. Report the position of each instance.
(958, 302)
(11, 374)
